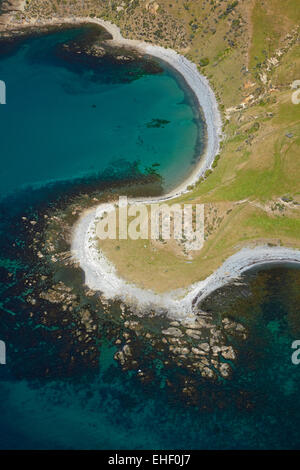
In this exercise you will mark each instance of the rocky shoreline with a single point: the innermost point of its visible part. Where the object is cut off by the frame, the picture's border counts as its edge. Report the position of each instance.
(75, 320)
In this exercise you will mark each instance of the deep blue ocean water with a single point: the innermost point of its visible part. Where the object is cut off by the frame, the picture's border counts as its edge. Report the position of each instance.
(63, 137)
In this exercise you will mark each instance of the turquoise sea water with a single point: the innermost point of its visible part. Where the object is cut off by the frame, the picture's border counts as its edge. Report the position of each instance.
(63, 137)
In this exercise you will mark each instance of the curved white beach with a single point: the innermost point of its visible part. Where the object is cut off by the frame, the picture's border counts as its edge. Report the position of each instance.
(101, 274)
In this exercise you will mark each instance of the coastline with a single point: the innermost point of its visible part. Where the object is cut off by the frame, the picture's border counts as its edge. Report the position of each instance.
(100, 273)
